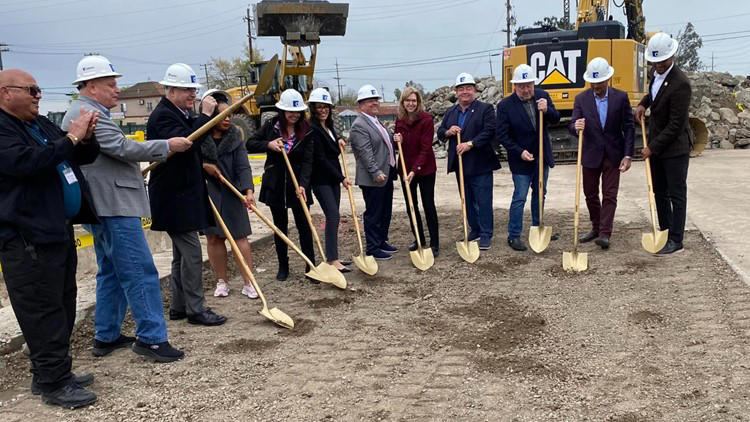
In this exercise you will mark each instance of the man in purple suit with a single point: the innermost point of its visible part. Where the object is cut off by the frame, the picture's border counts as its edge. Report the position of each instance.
(604, 115)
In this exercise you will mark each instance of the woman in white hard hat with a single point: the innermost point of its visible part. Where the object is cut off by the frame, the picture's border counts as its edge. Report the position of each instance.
(223, 152)
(287, 131)
(328, 175)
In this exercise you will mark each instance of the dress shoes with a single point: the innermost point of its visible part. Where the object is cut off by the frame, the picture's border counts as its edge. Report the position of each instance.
(603, 241)
(83, 380)
(69, 396)
(588, 237)
(517, 244)
(176, 315)
(207, 318)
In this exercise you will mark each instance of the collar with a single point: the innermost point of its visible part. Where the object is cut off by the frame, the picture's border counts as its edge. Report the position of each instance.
(94, 103)
(372, 118)
(606, 95)
(468, 107)
(664, 76)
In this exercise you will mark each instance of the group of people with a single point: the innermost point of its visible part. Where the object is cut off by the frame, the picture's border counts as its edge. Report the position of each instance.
(89, 173)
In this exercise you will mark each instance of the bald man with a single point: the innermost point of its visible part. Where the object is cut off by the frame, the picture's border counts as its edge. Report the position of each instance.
(42, 193)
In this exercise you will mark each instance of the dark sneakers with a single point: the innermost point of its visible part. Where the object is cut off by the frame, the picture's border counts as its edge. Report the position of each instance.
(380, 255)
(670, 248)
(484, 243)
(162, 352)
(385, 247)
(517, 244)
(588, 237)
(207, 317)
(70, 396)
(82, 380)
(102, 348)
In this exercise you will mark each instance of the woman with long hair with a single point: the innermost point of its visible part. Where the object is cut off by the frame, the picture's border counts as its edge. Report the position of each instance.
(287, 130)
(415, 129)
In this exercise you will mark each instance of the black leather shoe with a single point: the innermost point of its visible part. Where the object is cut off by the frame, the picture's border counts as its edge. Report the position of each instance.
(413, 247)
(588, 237)
(207, 317)
(344, 270)
(603, 241)
(175, 315)
(102, 348)
(345, 261)
(435, 251)
(70, 396)
(83, 380)
(516, 244)
(554, 236)
(162, 352)
(670, 248)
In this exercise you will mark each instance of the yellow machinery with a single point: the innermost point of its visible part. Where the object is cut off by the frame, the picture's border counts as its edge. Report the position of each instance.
(299, 24)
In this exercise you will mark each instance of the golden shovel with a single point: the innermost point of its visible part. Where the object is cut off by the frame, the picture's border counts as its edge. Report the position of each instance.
(326, 273)
(422, 258)
(274, 314)
(468, 251)
(366, 263)
(539, 236)
(655, 240)
(576, 261)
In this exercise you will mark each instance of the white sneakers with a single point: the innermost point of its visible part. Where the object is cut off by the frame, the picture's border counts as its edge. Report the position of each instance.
(222, 290)
(249, 291)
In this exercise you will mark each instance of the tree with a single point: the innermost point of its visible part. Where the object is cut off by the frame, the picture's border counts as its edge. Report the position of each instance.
(225, 73)
(690, 43)
(348, 97)
(555, 22)
(415, 85)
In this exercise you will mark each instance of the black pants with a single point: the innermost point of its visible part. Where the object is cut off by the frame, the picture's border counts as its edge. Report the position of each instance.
(670, 191)
(378, 210)
(329, 199)
(41, 282)
(426, 186)
(281, 220)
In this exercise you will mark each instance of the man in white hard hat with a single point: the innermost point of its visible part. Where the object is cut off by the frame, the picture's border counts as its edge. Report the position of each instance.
(43, 194)
(604, 115)
(372, 145)
(670, 138)
(178, 194)
(475, 121)
(127, 276)
(518, 132)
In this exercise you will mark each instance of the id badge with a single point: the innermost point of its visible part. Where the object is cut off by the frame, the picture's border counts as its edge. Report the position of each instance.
(70, 176)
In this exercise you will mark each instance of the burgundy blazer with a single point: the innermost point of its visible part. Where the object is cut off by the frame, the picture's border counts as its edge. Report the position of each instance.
(615, 140)
(417, 144)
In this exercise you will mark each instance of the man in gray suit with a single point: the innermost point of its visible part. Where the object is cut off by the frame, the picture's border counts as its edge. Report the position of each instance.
(373, 149)
(127, 276)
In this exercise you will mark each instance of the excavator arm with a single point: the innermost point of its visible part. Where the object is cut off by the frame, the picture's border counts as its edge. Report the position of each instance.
(636, 20)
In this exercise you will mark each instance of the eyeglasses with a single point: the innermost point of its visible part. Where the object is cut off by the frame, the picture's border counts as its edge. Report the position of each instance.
(33, 90)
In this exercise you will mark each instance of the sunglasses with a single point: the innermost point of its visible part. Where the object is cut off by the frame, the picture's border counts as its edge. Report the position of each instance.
(33, 90)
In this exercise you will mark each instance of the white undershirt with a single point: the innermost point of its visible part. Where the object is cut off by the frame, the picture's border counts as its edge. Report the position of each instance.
(658, 81)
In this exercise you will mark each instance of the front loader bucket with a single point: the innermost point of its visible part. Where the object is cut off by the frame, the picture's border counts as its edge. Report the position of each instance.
(301, 23)
(700, 136)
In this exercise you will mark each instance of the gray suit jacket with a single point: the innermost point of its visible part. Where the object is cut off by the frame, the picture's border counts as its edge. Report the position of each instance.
(115, 177)
(370, 151)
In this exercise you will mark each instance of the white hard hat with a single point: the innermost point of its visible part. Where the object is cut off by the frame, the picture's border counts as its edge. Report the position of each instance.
(661, 47)
(93, 67)
(464, 79)
(217, 93)
(598, 70)
(320, 95)
(181, 76)
(522, 74)
(367, 92)
(291, 100)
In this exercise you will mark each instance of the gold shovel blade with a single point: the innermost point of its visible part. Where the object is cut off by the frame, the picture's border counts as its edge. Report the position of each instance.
(422, 258)
(327, 273)
(539, 237)
(575, 261)
(278, 317)
(468, 251)
(654, 241)
(367, 265)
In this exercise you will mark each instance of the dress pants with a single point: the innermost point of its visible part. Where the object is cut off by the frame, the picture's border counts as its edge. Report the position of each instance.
(478, 192)
(281, 220)
(669, 176)
(426, 185)
(329, 199)
(187, 273)
(378, 210)
(602, 213)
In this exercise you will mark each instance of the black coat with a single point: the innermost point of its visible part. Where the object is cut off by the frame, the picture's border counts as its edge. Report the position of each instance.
(31, 196)
(669, 133)
(277, 188)
(177, 189)
(326, 154)
(479, 128)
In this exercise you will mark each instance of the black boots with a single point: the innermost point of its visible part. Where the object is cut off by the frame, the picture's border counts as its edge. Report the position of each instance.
(283, 269)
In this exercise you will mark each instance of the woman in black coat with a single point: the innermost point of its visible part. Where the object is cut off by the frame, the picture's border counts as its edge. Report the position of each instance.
(328, 175)
(287, 130)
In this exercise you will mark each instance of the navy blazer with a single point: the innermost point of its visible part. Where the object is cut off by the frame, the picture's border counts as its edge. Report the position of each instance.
(616, 139)
(479, 128)
(516, 132)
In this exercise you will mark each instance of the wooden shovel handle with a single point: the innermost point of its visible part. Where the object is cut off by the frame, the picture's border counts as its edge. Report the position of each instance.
(351, 202)
(408, 195)
(541, 168)
(461, 190)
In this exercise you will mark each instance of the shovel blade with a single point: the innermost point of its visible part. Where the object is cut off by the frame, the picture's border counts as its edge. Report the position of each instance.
(468, 251)
(278, 317)
(366, 264)
(575, 261)
(422, 258)
(539, 237)
(327, 273)
(654, 241)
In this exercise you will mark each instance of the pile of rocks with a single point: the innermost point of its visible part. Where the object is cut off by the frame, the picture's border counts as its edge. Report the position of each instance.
(722, 102)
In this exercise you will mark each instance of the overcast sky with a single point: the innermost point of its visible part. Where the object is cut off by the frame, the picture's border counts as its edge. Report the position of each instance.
(142, 37)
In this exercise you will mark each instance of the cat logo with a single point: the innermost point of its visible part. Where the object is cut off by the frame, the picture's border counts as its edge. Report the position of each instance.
(560, 65)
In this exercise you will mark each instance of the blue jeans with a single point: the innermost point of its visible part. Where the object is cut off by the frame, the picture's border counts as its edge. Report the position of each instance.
(478, 190)
(521, 184)
(127, 277)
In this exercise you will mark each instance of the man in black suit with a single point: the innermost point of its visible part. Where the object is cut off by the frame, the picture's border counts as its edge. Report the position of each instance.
(669, 137)
(604, 115)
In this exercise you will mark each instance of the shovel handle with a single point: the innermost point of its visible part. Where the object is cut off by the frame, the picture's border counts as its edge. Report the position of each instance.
(462, 191)
(408, 195)
(578, 192)
(541, 168)
(351, 202)
(649, 181)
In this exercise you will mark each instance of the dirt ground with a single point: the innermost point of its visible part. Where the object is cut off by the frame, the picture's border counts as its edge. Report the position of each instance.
(509, 338)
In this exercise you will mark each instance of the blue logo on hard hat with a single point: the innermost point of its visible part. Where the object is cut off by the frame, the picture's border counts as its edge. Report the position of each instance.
(325, 97)
(462, 78)
(655, 53)
(295, 103)
(111, 67)
(373, 92)
(524, 76)
(594, 74)
(192, 78)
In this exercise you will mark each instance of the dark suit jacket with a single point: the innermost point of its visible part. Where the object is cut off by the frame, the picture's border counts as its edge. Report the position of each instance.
(616, 139)
(325, 156)
(479, 128)
(516, 132)
(176, 189)
(669, 133)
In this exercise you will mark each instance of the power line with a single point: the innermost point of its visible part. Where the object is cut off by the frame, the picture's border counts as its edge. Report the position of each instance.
(412, 62)
(3, 48)
(420, 11)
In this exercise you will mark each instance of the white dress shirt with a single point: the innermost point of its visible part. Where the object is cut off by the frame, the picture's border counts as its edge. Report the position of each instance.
(658, 81)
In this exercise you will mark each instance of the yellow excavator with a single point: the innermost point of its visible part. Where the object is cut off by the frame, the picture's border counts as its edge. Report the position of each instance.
(559, 59)
(299, 24)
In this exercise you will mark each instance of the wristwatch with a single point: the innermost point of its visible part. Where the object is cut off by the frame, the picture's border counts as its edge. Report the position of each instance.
(73, 138)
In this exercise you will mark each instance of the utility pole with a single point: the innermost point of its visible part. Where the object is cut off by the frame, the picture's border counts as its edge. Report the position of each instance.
(338, 79)
(508, 21)
(249, 21)
(712, 62)
(205, 68)
(382, 90)
(489, 58)
(3, 48)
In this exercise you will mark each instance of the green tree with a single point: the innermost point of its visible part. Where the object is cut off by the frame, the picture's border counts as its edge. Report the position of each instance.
(225, 73)
(555, 22)
(415, 85)
(687, 57)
